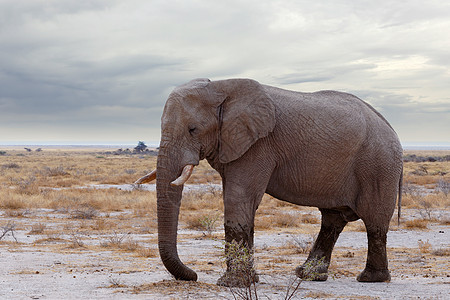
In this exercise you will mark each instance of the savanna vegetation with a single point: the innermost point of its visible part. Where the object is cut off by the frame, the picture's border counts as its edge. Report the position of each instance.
(54, 195)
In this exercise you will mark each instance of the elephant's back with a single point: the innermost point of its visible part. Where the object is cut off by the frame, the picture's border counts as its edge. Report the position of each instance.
(340, 110)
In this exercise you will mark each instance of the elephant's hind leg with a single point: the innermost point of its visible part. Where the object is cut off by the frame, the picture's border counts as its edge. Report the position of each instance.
(316, 266)
(377, 264)
(376, 215)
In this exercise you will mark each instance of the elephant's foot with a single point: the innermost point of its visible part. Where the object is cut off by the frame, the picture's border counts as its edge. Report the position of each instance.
(312, 271)
(231, 279)
(370, 275)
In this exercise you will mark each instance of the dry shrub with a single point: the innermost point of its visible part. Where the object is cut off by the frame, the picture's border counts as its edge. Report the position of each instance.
(10, 200)
(76, 241)
(194, 200)
(357, 226)
(101, 224)
(438, 200)
(115, 240)
(441, 252)
(445, 221)
(66, 182)
(149, 226)
(86, 212)
(11, 166)
(422, 179)
(408, 201)
(17, 213)
(301, 245)
(263, 222)
(416, 224)
(310, 219)
(193, 220)
(285, 220)
(55, 171)
(130, 245)
(51, 238)
(126, 243)
(27, 186)
(319, 295)
(424, 247)
(147, 252)
(37, 228)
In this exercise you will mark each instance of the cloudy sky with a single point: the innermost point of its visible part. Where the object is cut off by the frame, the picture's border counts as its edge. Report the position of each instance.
(81, 71)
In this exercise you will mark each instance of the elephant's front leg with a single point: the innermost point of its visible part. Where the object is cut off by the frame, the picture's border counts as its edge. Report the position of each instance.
(241, 199)
(316, 266)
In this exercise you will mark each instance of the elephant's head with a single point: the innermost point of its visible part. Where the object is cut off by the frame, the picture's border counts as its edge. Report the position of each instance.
(217, 120)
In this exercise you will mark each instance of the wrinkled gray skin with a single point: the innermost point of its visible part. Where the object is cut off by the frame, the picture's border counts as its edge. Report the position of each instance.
(325, 149)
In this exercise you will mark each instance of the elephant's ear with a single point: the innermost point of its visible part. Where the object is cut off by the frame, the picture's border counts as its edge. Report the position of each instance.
(246, 115)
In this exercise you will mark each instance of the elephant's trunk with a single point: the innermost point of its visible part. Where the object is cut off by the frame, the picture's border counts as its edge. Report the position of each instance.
(169, 200)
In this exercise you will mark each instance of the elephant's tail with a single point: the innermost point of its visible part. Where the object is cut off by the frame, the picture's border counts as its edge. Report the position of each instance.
(400, 192)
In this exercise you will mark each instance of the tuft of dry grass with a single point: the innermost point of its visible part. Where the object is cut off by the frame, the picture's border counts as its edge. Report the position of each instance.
(424, 247)
(441, 252)
(147, 252)
(12, 201)
(84, 213)
(416, 224)
(200, 201)
(310, 219)
(38, 228)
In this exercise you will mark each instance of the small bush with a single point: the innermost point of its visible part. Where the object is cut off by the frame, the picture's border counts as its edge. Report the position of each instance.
(56, 171)
(27, 186)
(301, 245)
(147, 252)
(100, 224)
(11, 166)
(310, 219)
(205, 223)
(241, 272)
(115, 240)
(426, 209)
(84, 213)
(285, 220)
(76, 241)
(208, 224)
(8, 228)
(37, 228)
(12, 201)
(441, 252)
(424, 247)
(443, 186)
(416, 224)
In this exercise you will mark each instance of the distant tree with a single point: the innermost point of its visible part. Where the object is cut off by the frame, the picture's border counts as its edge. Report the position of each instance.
(28, 149)
(140, 147)
(38, 150)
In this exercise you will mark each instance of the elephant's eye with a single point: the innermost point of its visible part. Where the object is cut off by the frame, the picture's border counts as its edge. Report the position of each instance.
(192, 130)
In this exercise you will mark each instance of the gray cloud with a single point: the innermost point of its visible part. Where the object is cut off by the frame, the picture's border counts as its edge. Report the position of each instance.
(101, 70)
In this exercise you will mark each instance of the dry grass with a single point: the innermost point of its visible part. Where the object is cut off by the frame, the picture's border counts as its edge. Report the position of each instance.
(416, 224)
(441, 252)
(124, 222)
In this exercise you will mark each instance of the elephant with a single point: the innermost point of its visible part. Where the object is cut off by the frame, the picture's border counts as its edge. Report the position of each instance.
(325, 149)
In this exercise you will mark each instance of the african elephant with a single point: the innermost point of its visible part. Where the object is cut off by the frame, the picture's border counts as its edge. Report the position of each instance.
(325, 149)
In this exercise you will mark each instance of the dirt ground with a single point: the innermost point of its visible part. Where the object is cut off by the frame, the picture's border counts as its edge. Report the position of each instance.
(50, 265)
(72, 227)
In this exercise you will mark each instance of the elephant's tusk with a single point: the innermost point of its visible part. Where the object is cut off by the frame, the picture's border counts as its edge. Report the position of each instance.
(147, 178)
(187, 171)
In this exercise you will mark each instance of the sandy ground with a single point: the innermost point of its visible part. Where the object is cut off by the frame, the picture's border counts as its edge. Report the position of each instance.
(37, 267)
